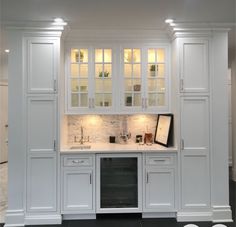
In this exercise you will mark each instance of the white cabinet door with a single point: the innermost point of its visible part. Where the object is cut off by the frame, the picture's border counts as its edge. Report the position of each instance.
(42, 64)
(195, 191)
(41, 191)
(78, 191)
(160, 189)
(41, 124)
(194, 60)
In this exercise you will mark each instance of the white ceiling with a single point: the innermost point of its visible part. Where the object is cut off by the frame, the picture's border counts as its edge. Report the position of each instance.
(119, 13)
(138, 14)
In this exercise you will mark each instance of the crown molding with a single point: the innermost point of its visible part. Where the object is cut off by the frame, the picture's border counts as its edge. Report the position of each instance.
(198, 29)
(90, 35)
(32, 26)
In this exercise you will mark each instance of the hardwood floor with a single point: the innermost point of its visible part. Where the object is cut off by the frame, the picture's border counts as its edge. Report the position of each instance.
(118, 220)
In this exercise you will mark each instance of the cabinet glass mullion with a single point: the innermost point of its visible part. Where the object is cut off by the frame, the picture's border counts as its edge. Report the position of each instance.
(156, 77)
(79, 77)
(132, 77)
(103, 77)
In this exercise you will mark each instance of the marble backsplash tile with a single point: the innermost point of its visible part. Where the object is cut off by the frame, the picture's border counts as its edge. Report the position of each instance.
(100, 127)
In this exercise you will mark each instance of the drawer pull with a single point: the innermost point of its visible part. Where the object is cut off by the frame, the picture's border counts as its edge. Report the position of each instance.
(78, 161)
(159, 160)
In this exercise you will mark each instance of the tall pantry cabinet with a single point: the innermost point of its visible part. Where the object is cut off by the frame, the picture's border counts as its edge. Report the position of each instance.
(198, 88)
(41, 80)
(41, 65)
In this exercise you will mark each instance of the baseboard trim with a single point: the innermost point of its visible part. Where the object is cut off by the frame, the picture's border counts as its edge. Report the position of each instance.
(159, 215)
(221, 214)
(48, 219)
(14, 218)
(194, 216)
(78, 216)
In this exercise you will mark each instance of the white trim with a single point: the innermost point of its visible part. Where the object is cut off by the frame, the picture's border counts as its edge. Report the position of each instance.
(78, 216)
(193, 216)
(43, 219)
(159, 215)
(221, 214)
(14, 218)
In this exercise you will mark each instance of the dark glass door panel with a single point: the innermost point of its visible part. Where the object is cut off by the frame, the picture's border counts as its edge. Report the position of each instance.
(119, 182)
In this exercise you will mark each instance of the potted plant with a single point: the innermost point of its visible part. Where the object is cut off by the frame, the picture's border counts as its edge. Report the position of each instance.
(105, 73)
(152, 70)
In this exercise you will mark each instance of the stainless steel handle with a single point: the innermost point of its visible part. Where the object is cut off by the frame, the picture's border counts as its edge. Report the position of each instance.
(182, 144)
(93, 106)
(55, 84)
(90, 178)
(147, 178)
(159, 160)
(78, 161)
(89, 103)
(146, 103)
(54, 145)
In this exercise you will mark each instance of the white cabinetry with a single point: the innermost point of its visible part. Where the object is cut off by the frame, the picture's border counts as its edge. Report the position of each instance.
(90, 79)
(41, 56)
(41, 67)
(194, 105)
(159, 183)
(194, 65)
(117, 79)
(145, 73)
(195, 153)
(78, 184)
(41, 183)
(42, 123)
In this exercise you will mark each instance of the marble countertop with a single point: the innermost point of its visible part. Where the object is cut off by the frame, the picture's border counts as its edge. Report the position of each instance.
(114, 147)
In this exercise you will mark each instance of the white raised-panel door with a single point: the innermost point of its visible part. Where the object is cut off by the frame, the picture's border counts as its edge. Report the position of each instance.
(195, 191)
(160, 189)
(78, 191)
(41, 124)
(41, 191)
(194, 74)
(42, 64)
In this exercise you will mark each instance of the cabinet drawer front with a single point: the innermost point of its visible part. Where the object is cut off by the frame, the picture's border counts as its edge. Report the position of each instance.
(78, 161)
(160, 161)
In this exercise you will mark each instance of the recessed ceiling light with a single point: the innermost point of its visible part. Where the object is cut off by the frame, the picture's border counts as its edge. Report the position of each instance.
(7, 50)
(59, 21)
(168, 21)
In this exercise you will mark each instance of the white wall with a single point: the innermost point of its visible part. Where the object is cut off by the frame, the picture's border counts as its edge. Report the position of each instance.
(233, 74)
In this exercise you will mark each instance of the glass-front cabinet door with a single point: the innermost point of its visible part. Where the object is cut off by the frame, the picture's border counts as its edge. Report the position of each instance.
(144, 73)
(90, 80)
(156, 97)
(103, 78)
(79, 78)
(132, 85)
(116, 79)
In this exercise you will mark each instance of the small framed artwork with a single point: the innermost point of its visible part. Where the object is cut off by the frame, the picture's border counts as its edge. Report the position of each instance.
(164, 130)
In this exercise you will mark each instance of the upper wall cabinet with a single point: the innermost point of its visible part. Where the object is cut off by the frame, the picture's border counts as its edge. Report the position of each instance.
(117, 80)
(144, 80)
(194, 63)
(42, 64)
(90, 80)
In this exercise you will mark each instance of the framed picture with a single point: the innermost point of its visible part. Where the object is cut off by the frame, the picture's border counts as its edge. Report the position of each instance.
(164, 130)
